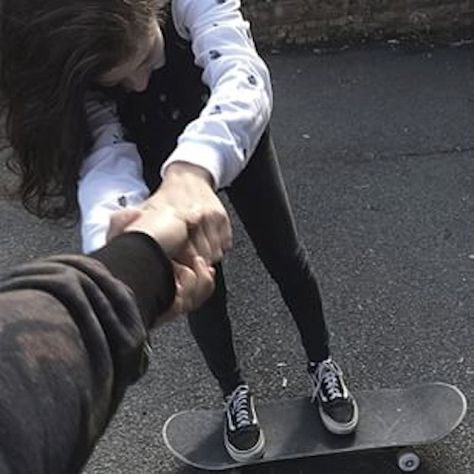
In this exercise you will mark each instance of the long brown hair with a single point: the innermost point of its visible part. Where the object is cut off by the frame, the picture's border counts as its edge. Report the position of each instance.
(51, 52)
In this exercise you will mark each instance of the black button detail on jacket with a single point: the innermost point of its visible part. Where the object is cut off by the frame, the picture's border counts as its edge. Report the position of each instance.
(217, 110)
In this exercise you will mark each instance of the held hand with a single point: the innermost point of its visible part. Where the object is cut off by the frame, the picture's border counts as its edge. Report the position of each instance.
(161, 224)
(194, 285)
(187, 189)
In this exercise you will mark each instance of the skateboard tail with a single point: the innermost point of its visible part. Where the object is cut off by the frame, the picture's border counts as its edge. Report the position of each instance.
(462, 412)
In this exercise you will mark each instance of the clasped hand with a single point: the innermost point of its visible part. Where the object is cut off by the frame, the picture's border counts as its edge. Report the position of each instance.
(189, 222)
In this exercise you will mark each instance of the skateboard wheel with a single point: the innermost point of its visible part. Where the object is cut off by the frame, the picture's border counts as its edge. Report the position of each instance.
(408, 461)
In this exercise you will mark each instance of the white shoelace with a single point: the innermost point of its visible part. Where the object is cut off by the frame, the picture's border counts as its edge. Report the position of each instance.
(239, 406)
(327, 375)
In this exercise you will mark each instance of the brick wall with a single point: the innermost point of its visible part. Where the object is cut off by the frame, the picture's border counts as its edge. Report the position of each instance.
(279, 22)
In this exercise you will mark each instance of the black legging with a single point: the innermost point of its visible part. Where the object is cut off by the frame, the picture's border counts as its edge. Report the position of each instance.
(260, 199)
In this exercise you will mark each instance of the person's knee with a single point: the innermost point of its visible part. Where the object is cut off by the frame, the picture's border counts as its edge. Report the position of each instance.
(285, 262)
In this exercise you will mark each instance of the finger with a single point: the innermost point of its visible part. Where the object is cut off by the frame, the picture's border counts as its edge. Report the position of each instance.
(212, 234)
(201, 244)
(219, 234)
(210, 229)
(194, 217)
(204, 282)
(226, 234)
(185, 280)
(187, 254)
(224, 230)
(196, 284)
(120, 220)
(176, 309)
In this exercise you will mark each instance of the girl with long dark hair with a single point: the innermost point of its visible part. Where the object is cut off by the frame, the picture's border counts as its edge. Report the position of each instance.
(109, 99)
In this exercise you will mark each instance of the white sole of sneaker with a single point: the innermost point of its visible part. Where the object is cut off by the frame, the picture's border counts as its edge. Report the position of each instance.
(339, 428)
(244, 456)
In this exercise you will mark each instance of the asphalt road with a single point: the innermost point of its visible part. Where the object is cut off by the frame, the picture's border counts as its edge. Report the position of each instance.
(377, 149)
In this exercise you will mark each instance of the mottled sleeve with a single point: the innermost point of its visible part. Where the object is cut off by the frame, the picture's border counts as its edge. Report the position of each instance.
(72, 338)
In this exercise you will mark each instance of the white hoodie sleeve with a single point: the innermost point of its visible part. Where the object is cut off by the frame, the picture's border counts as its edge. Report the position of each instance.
(111, 177)
(228, 130)
(221, 139)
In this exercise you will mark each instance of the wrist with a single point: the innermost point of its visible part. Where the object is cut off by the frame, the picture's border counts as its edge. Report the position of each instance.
(181, 169)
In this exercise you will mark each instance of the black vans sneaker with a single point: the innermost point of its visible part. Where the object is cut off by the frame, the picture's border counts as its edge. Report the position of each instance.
(337, 408)
(243, 437)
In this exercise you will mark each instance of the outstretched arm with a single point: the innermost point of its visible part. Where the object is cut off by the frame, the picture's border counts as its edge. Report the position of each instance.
(111, 177)
(215, 148)
(225, 135)
(73, 336)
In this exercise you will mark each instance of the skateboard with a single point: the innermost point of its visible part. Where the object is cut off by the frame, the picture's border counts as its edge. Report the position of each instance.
(388, 418)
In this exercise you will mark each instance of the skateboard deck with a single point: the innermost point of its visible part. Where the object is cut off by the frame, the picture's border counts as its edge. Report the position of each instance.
(387, 418)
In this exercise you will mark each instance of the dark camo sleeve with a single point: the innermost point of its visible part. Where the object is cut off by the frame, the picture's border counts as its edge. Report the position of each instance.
(73, 334)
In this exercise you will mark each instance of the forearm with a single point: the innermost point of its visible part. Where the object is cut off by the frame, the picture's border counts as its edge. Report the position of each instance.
(228, 130)
(72, 340)
(179, 171)
(140, 263)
